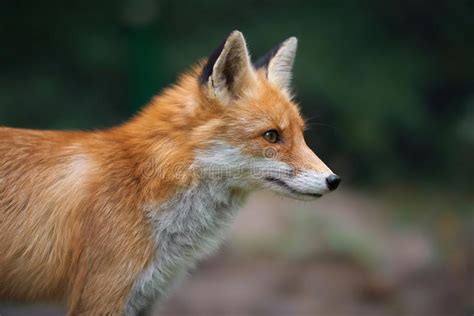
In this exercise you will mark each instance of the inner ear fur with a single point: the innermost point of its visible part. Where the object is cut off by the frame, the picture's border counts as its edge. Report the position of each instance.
(278, 63)
(228, 70)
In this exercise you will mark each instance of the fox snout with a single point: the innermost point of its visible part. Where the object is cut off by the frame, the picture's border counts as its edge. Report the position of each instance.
(305, 184)
(304, 181)
(313, 175)
(331, 180)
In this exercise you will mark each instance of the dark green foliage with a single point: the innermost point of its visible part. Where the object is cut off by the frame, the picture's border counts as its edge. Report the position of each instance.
(388, 85)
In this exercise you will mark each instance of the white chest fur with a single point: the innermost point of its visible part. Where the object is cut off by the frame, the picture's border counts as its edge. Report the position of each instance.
(186, 228)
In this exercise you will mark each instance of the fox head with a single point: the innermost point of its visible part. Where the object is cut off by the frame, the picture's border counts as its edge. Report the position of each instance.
(260, 143)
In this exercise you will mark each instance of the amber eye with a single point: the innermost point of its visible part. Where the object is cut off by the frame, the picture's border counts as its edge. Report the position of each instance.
(271, 136)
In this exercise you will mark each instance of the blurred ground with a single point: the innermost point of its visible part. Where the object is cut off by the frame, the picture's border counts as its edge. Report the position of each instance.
(343, 255)
(347, 254)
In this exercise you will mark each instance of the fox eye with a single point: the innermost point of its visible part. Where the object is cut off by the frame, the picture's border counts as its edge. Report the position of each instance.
(271, 136)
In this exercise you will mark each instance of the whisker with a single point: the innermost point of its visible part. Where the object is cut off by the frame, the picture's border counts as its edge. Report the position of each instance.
(324, 125)
(308, 119)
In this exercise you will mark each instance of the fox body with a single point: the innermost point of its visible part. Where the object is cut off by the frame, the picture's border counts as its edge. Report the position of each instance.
(109, 220)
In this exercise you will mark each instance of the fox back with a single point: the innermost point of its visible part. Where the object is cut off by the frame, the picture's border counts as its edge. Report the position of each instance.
(109, 220)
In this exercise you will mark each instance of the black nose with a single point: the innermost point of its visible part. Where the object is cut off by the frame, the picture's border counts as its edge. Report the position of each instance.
(333, 182)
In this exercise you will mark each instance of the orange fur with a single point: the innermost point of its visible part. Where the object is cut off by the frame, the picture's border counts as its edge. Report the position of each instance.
(72, 224)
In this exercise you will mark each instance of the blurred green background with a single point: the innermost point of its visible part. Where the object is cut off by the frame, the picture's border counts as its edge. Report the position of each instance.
(387, 86)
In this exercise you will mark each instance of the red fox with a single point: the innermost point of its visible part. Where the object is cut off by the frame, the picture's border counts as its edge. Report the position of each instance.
(109, 220)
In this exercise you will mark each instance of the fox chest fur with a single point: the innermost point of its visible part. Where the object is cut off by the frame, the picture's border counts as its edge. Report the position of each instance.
(185, 229)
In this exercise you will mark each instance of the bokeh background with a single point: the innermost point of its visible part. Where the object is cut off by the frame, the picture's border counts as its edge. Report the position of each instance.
(388, 90)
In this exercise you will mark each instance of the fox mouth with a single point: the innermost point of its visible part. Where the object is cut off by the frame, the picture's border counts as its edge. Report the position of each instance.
(285, 185)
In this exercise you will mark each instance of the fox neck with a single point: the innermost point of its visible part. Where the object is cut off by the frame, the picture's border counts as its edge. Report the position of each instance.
(186, 228)
(187, 205)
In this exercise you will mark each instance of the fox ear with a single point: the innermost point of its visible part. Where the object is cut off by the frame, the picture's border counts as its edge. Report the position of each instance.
(228, 70)
(278, 63)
